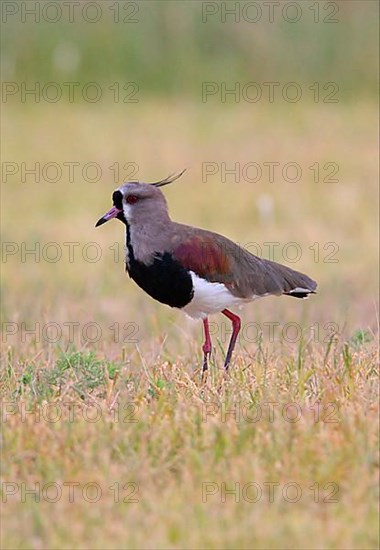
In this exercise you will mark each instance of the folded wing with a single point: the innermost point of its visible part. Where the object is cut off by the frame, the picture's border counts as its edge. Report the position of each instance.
(217, 259)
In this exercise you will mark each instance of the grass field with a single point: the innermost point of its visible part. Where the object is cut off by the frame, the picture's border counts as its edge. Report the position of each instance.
(123, 409)
(109, 439)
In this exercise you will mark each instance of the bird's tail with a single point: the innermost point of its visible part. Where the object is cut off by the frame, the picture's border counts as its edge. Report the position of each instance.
(291, 282)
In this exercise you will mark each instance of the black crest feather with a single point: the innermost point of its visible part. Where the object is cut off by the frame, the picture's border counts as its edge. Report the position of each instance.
(168, 179)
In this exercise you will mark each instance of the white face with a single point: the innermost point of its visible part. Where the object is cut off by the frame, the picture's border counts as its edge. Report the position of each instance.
(127, 210)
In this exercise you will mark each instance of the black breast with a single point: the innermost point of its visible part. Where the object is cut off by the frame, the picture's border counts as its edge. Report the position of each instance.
(164, 279)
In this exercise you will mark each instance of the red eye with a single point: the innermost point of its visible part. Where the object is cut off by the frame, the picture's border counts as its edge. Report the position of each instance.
(131, 199)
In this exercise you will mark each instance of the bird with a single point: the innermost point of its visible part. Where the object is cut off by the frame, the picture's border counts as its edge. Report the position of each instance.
(197, 271)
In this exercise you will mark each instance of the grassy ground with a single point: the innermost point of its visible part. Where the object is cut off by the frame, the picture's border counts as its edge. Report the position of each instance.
(123, 409)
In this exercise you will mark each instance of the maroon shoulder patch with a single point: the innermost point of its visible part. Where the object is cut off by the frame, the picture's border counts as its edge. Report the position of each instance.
(205, 258)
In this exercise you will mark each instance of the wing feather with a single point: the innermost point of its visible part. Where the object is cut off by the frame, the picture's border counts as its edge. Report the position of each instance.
(217, 259)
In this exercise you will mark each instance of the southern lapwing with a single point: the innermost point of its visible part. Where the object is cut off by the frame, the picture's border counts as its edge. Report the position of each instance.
(197, 271)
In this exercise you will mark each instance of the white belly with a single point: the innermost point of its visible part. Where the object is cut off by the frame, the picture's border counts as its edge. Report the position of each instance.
(210, 298)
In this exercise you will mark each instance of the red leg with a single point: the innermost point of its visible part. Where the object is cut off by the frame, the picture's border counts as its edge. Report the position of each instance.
(207, 345)
(236, 324)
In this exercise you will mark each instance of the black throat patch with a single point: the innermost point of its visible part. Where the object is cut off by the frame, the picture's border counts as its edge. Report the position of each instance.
(164, 279)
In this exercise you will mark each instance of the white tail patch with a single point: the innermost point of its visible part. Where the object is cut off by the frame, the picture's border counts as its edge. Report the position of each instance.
(300, 292)
(299, 289)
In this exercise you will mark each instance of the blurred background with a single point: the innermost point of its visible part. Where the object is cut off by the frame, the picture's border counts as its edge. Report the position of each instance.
(272, 110)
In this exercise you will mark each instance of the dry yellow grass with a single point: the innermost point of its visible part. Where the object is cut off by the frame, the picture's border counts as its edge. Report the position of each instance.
(185, 435)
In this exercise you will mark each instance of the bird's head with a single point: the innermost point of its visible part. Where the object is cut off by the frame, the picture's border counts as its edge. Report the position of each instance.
(135, 201)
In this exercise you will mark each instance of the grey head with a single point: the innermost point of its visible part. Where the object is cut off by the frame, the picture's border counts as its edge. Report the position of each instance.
(135, 201)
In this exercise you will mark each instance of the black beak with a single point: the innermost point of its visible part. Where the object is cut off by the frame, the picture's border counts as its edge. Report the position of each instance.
(100, 222)
(108, 216)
